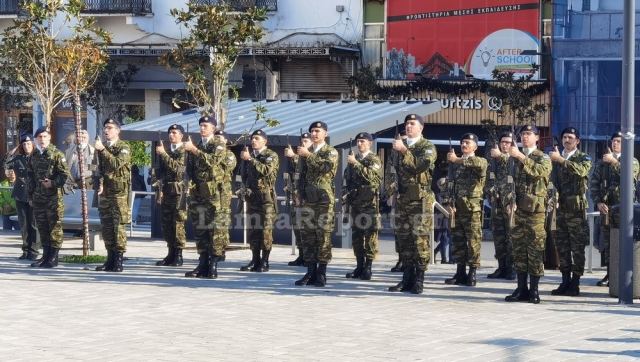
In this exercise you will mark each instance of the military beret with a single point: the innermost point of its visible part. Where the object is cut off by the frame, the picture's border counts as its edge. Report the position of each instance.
(208, 119)
(318, 124)
(364, 136)
(530, 128)
(469, 136)
(40, 130)
(506, 134)
(111, 121)
(220, 132)
(26, 137)
(570, 130)
(305, 135)
(176, 127)
(414, 116)
(616, 135)
(260, 133)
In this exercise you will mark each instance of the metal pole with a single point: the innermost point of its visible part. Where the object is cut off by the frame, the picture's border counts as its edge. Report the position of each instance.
(625, 269)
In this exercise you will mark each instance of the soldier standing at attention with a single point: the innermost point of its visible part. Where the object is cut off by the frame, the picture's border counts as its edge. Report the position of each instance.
(362, 178)
(47, 173)
(114, 191)
(223, 214)
(260, 173)
(294, 175)
(532, 171)
(170, 176)
(469, 178)
(18, 161)
(604, 187)
(570, 176)
(319, 164)
(413, 217)
(499, 187)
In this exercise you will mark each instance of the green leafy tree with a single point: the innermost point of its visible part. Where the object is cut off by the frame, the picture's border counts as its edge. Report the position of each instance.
(217, 35)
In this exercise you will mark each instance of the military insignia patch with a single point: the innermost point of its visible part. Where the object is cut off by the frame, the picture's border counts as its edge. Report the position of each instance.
(124, 151)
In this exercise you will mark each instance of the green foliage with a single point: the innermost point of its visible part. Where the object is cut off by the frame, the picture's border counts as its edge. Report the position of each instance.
(364, 83)
(139, 154)
(86, 259)
(217, 35)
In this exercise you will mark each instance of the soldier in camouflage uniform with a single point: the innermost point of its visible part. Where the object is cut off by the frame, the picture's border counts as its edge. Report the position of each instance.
(414, 205)
(294, 175)
(499, 190)
(362, 178)
(18, 161)
(205, 170)
(169, 178)
(604, 188)
(114, 190)
(532, 171)
(319, 164)
(260, 170)
(47, 173)
(466, 200)
(223, 214)
(569, 176)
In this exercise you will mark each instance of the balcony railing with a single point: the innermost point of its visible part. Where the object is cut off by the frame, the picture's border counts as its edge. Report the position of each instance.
(136, 7)
(242, 5)
(9, 7)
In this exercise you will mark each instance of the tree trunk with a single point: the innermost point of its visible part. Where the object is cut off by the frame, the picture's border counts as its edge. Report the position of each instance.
(77, 112)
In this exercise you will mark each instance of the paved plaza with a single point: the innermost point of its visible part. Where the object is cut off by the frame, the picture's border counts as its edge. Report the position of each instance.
(153, 313)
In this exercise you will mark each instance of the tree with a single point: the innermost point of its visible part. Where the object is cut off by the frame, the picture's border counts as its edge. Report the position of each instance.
(220, 33)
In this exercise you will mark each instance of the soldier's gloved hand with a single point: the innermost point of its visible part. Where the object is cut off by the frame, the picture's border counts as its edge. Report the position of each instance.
(288, 152)
(495, 152)
(98, 145)
(452, 157)
(399, 146)
(555, 155)
(303, 152)
(351, 159)
(609, 158)
(603, 208)
(46, 183)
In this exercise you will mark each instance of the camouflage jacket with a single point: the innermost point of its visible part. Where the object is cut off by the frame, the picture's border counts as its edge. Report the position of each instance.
(604, 185)
(499, 181)
(227, 164)
(171, 171)
(261, 173)
(415, 170)
(317, 176)
(570, 181)
(469, 179)
(206, 169)
(114, 164)
(362, 180)
(531, 181)
(50, 164)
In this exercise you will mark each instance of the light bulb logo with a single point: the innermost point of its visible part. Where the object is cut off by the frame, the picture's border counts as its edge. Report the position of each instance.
(485, 56)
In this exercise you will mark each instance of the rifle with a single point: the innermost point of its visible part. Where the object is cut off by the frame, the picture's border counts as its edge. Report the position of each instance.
(184, 190)
(243, 190)
(553, 193)
(156, 182)
(511, 181)
(288, 184)
(605, 185)
(96, 177)
(347, 190)
(394, 172)
(299, 184)
(451, 190)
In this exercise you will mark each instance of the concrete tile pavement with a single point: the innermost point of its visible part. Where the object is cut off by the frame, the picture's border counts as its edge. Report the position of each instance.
(153, 313)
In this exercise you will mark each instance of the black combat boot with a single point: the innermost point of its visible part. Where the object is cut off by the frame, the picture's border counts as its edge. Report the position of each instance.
(459, 278)
(321, 275)
(573, 290)
(521, 294)
(366, 271)
(177, 258)
(408, 279)
(562, 288)
(167, 259)
(201, 269)
(311, 272)
(534, 296)
(31, 255)
(399, 266)
(24, 255)
(419, 281)
(508, 273)
(255, 260)
(52, 259)
(45, 255)
(471, 277)
(498, 273)
(212, 266)
(264, 261)
(604, 282)
(357, 272)
(108, 265)
(118, 258)
(299, 261)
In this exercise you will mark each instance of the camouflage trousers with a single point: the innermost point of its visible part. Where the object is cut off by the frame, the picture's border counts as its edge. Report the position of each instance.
(529, 236)
(365, 223)
(173, 219)
(48, 214)
(572, 236)
(260, 217)
(500, 231)
(614, 222)
(316, 225)
(413, 222)
(207, 225)
(295, 225)
(221, 234)
(467, 238)
(115, 214)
